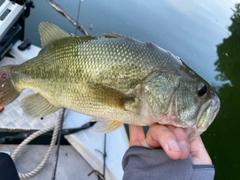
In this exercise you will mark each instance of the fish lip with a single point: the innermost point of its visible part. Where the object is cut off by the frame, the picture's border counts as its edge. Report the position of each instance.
(211, 107)
(210, 110)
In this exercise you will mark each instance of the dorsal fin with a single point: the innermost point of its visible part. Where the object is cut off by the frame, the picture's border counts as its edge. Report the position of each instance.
(113, 35)
(50, 32)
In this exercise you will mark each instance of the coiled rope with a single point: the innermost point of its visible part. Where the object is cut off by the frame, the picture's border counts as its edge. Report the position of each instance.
(55, 129)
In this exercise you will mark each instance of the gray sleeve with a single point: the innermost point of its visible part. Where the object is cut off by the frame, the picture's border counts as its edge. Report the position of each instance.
(140, 163)
(203, 172)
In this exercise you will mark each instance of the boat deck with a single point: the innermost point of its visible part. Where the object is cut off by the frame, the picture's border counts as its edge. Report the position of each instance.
(71, 165)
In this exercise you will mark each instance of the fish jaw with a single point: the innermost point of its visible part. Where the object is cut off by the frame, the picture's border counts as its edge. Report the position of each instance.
(206, 115)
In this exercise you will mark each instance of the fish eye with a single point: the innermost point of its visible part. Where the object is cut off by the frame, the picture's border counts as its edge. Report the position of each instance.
(202, 90)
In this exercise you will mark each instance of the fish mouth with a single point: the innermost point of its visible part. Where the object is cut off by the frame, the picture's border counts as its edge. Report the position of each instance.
(206, 115)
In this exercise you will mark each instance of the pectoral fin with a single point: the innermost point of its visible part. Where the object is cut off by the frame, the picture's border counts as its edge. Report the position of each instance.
(36, 105)
(106, 127)
(112, 97)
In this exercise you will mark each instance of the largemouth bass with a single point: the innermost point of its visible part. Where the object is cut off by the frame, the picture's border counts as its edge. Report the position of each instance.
(113, 78)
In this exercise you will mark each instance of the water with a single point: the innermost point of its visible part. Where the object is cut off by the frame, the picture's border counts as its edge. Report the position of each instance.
(205, 34)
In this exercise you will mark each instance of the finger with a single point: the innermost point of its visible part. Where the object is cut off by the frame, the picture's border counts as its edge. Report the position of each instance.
(163, 136)
(182, 140)
(136, 136)
(199, 152)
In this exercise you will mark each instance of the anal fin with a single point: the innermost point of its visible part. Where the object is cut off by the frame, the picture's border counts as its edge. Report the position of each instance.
(36, 105)
(106, 127)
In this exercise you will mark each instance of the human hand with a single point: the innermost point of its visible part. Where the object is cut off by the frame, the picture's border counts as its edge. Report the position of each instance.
(172, 140)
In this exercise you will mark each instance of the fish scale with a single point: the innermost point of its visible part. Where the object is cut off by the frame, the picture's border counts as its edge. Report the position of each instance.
(114, 78)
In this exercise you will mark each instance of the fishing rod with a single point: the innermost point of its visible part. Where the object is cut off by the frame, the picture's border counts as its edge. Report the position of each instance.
(59, 9)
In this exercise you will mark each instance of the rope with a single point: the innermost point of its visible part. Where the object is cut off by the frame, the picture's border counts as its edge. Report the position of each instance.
(49, 151)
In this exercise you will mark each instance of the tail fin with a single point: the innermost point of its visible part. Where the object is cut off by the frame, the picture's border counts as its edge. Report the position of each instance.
(7, 90)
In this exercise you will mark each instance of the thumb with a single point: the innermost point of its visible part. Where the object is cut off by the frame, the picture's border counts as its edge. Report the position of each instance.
(199, 152)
